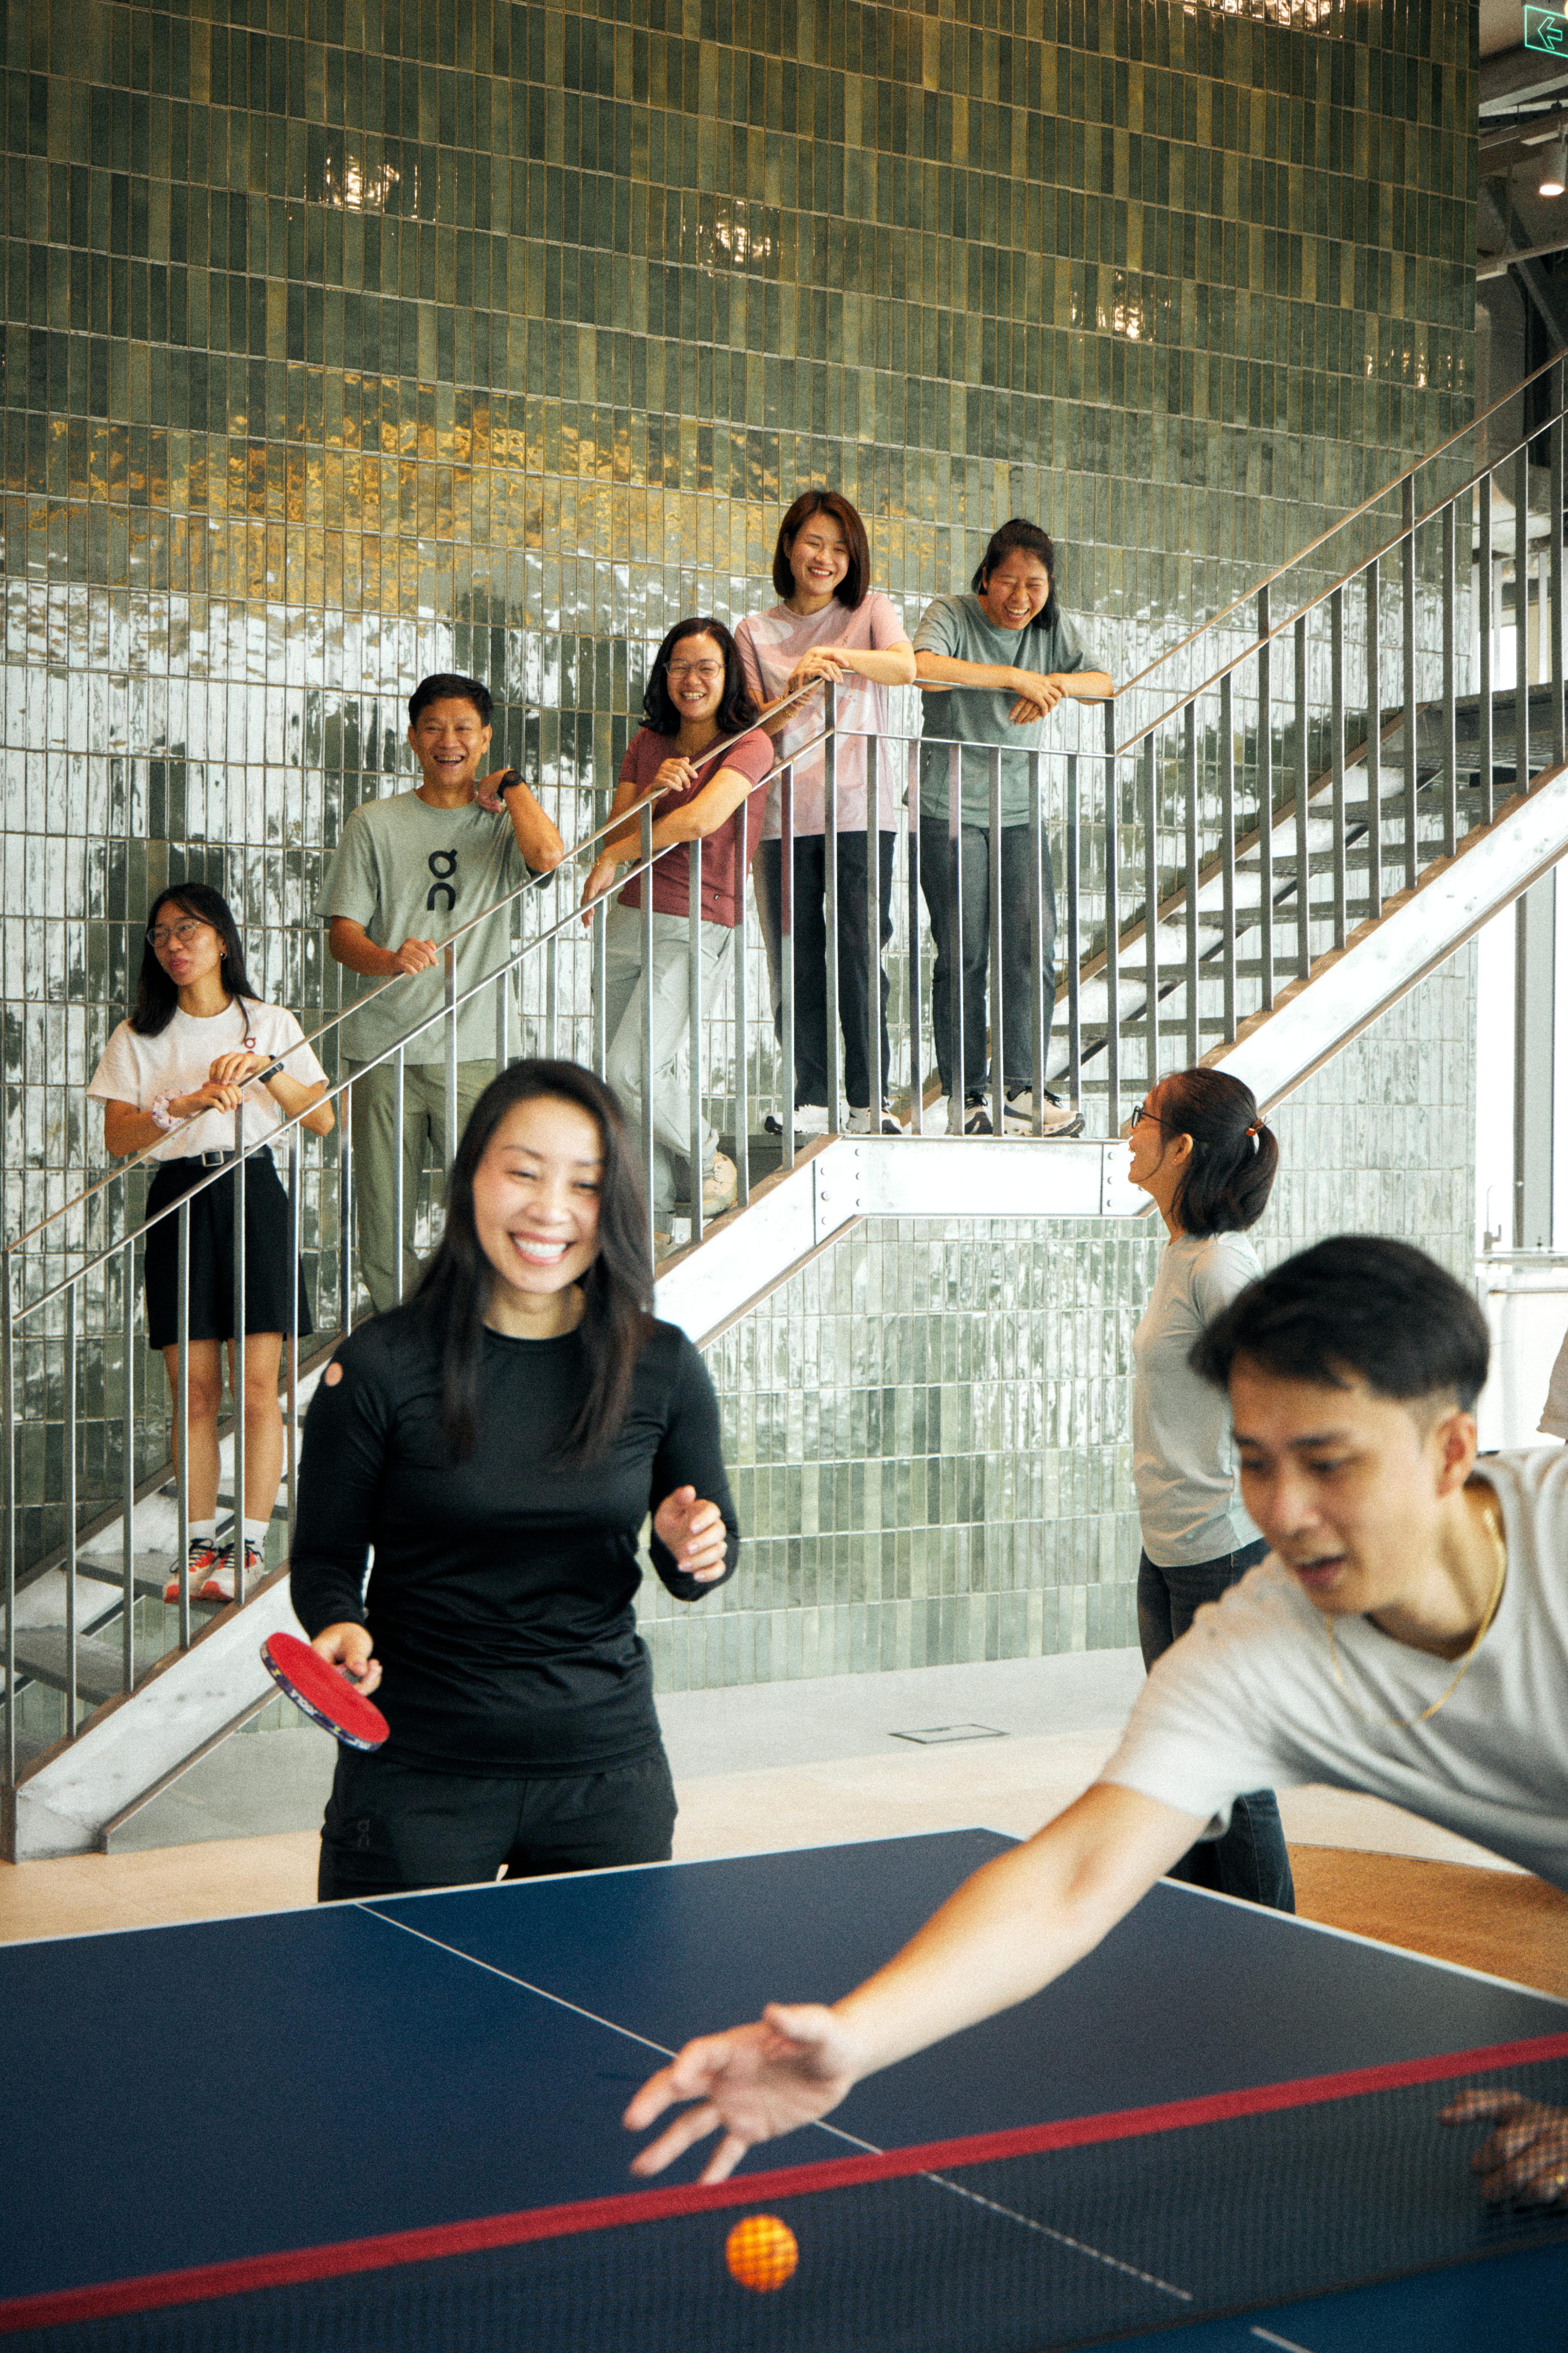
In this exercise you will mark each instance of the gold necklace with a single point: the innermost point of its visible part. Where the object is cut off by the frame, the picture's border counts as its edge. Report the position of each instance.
(1408, 1722)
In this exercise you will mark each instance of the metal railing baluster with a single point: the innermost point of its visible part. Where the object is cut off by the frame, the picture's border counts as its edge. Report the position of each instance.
(182, 1418)
(128, 1467)
(1337, 755)
(8, 1439)
(1040, 1011)
(830, 895)
(1485, 749)
(1522, 618)
(645, 892)
(694, 1034)
(551, 997)
(1554, 565)
(955, 992)
(742, 1042)
(1113, 937)
(599, 1043)
(1373, 741)
(399, 1199)
(449, 1053)
(1265, 804)
(239, 1354)
(1150, 796)
(998, 1025)
(292, 1338)
(1303, 784)
(1449, 754)
(877, 1094)
(1072, 863)
(787, 957)
(1190, 798)
(68, 1467)
(1408, 684)
(346, 1204)
(1228, 849)
(913, 840)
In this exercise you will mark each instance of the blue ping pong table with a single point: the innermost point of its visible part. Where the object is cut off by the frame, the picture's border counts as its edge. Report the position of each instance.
(324, 2126)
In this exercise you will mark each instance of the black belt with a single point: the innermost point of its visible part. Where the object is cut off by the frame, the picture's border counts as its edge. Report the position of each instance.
(217, 1159)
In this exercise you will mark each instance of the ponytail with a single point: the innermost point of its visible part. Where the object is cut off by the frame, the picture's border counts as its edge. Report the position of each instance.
(1235, 1156)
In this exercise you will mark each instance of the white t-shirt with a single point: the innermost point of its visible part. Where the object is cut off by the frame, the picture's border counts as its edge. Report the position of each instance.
(1249, 1698)
(1183, 1455)
(136, 1069)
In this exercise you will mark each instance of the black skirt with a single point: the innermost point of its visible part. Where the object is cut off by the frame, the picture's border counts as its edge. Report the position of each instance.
(211, 1270)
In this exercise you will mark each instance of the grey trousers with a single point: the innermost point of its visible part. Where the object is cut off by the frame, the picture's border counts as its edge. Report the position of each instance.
(375, 1149)
(625, 997)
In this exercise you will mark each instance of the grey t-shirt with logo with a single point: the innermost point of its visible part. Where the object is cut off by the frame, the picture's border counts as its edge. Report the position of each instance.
(976, 716)
(407, 871)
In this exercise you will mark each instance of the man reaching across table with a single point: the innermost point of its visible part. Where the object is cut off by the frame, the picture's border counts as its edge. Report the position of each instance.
(1407, 1636)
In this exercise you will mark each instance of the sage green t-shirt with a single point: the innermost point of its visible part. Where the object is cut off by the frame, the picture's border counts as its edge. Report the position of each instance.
(407, 871)
(975, 717)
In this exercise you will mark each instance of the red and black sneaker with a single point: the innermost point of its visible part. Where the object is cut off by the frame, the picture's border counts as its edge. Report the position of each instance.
(206, 1561)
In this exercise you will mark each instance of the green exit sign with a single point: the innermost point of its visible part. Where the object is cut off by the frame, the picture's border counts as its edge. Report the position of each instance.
(1545, 28)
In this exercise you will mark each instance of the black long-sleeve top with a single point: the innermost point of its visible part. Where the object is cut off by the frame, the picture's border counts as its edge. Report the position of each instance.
(500, 1599)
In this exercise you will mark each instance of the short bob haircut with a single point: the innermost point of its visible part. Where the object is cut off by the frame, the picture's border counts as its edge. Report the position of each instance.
(736, 712)
(1235, 1157)
(617, 1288)
(449, 686)
(852, 589)
(157, 998)
(1020, 538)
(1357, 1306)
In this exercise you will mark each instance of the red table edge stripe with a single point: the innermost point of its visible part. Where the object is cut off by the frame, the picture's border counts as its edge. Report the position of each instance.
(296, 2266)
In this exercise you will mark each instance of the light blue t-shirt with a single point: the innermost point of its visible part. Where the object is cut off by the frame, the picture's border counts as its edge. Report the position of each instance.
(959, 627)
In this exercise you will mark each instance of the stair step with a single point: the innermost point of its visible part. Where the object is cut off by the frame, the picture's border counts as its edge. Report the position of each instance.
(151, 1572)
(42, 1653)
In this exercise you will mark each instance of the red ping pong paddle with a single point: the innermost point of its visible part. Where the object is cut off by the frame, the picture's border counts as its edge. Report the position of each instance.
(322, 1692)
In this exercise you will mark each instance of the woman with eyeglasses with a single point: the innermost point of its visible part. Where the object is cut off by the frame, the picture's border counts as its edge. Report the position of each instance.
(1203, 1155)
(702, 752)
(199, 1047)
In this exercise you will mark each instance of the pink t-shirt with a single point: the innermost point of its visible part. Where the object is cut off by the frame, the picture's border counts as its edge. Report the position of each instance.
(723, 877)
(770, 644)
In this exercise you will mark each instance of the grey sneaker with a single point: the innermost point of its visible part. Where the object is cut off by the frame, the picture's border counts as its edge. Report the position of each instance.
(1060, 1119)
(860, 1120)
(972, 1117)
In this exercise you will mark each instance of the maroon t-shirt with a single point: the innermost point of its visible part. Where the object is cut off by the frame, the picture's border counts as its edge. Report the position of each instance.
(753, 756)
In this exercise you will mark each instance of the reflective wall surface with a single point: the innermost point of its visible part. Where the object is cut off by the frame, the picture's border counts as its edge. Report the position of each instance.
(346, 339)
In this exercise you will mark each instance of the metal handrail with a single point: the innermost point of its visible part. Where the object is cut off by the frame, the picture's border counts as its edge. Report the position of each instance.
(148, 1157)
(1406, 531)
(1249, 595)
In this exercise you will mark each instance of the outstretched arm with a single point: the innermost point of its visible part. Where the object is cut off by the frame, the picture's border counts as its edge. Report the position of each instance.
(1019, 1922)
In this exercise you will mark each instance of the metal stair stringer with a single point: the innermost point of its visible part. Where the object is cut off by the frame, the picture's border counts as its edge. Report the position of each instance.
(1349, 988)
(134, 1745)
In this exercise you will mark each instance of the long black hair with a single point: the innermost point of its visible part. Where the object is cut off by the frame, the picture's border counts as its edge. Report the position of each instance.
(157, 998)
(1017, 537)
(617, 1289)
(1235, 1157)
(736, 712)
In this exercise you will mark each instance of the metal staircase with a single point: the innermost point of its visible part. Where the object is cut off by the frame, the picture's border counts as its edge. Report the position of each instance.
(1282, 825)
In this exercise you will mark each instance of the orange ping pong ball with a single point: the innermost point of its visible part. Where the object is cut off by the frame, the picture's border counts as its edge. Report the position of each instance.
(762, 2252)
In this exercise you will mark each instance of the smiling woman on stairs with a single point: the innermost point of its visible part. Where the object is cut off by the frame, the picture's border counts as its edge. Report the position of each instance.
(198, 1047)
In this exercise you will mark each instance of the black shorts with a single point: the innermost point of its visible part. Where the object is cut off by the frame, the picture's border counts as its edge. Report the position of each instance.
(392, 1826)
(211, 1274)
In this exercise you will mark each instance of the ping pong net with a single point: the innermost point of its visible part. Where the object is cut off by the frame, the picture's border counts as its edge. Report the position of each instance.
(1055, 2235)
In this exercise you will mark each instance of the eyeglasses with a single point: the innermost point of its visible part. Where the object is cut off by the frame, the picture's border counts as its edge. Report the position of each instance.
(706, 671)
(1144, 1112)
(184, 933)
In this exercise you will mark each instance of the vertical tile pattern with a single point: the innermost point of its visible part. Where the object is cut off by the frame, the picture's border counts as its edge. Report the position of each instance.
(348, 340)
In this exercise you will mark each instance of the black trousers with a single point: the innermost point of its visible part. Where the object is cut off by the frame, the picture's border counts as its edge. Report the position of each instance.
(810, 927)
(392, 1827)
(1251, 1860)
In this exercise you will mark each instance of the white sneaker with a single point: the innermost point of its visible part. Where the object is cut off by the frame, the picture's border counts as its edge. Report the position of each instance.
(810, 1119)
(721, 1185)
(970, 1117)
(863, 1121)
(1060, 1119)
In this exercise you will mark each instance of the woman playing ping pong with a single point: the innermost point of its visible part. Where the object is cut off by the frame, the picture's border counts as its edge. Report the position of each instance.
(499, 1443)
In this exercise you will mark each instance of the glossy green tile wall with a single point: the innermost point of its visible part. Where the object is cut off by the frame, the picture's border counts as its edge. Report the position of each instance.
(348, 338)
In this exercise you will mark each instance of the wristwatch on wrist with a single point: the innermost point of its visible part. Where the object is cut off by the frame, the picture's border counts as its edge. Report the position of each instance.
(504, 782)
(160, 1114)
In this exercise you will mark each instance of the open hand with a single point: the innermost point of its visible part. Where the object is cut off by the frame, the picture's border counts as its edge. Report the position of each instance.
(1524, 2158)
(350, 1646)
(694, 1532)
(750, 2083)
